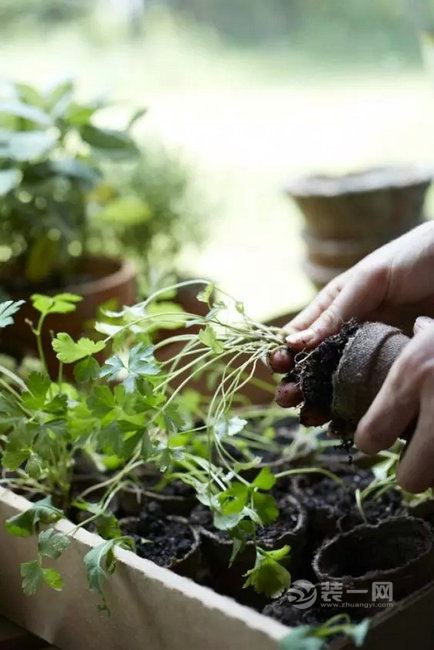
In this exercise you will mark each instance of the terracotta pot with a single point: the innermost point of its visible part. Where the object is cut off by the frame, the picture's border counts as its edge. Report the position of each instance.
(109, 279)
(189, 564)
(348, 216)
(398, 551)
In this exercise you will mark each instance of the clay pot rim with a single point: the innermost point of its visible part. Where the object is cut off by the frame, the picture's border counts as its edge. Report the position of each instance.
(181, 520)
(360, 181)
(297, 530)
(373, 573)
(119, 271)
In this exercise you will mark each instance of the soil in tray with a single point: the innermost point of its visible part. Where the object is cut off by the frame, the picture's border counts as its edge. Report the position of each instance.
(287, 521)
(324, 491)
(158, 538)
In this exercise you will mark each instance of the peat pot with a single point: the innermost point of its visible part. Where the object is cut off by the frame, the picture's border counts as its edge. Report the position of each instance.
(349, 216)
(152, 607)
(398, 550)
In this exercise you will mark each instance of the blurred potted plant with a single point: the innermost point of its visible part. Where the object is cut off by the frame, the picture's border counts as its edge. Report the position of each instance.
(52, 155)
(150, 210)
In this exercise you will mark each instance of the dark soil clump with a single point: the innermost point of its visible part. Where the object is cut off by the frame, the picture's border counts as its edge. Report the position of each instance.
(314, 370)
(164, 540)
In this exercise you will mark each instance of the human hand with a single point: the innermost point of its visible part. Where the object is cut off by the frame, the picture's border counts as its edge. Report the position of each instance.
(393, 285)
(406, 397)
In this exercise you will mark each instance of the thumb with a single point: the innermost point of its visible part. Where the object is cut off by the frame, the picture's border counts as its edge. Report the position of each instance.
(422, 323)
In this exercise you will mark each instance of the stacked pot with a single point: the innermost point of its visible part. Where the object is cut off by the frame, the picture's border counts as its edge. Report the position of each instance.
(349, 216)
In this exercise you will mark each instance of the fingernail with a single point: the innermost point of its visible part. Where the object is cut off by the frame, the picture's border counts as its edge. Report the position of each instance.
(422, 322)
(305, 337)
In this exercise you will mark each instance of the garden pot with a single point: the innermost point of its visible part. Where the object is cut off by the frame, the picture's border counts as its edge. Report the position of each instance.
(389, 504)
(217, 548)
(283, 610)
(341, 377)
(179, 500)
(362, 370)
(326, 501)
(168, 541)
(398, 551)
(349, 216)
(104, 279)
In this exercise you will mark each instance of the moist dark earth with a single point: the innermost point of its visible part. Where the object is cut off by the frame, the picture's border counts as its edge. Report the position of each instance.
(159, 538)
(313, 370)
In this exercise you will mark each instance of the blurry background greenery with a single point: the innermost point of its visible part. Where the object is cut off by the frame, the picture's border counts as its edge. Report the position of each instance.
(249, 93)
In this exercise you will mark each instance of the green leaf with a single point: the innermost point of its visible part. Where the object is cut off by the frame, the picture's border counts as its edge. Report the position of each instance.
(33, 578)
(69, 351)
(209, 338)
(52, 543)
(7, 310)
(41, 258)
(19, 445)
(73, 168)
(125, 211)
(100, 562)
(229, 426)
(24, 524)
(108, 526)
(62, 303)
(9, 180)
(301, 639)
(109, 140)
(206, 294)
(358, 632)
(34, 467)
(26, 146)
(38, 385)
(265, 507)
(268, 576)
(265, 480)
(86, 370)
(234, 499)
(53, 579)
(30, 113)
(137, 115)
(140, 363)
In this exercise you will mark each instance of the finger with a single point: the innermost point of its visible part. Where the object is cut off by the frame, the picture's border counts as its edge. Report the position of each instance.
(323, 300)
(389, 415)
(288, 394)
(281, 360)
(416, 470)
(422, 323)
(360, 296)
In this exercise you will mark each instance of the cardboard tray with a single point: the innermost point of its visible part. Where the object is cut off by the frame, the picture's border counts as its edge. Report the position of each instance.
(155, 609)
